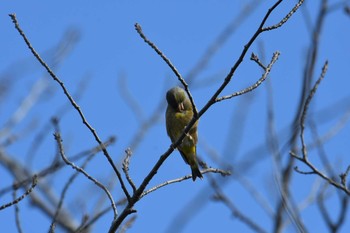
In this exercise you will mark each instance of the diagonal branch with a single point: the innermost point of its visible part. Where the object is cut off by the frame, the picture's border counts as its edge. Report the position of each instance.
(285, 19)
(304, 158)
(74, 104)
(81, 170)
(15, 201)
(206, 170)
(137, 195)
(306, 108)
(257, 83)
(126, 163)
(168, 62)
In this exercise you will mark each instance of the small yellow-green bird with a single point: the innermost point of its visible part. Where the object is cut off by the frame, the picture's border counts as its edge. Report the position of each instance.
(178, 114)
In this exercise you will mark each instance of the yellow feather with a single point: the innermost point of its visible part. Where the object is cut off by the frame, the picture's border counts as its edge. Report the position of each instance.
(178, 114)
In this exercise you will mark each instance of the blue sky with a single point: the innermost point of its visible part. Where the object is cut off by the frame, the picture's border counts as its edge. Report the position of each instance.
(108, 50)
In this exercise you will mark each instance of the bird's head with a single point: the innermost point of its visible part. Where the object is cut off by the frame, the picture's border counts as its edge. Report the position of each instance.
(177, 99)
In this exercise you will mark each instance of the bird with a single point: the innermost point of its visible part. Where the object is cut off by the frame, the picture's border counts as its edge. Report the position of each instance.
(178, 114)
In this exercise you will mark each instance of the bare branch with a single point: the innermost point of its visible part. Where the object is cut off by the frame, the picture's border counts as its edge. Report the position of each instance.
(296, 168)
(220, 196)
(344, 176)
(46, 129)
(229, 76)
(128, 224)
(60, 147)
(129, 99)
(18, 222)
(255, 85)
(306, 107)
(285, 19)
(20, 172)
(222, 38)
(332, 225)
(87, 224)
(287, 169)
(14, 202)
(304, 158)
(58, 165)
(206, 170)
(126, 163)
(168, 62)
(25, 106)
(255, 58)
(74, 104)
(68, 183)
(255, 193)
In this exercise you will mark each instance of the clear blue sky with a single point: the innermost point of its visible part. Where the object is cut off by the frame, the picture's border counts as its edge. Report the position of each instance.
(109, 48)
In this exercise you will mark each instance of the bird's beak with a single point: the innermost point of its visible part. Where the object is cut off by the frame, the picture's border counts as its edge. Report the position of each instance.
(181, 107)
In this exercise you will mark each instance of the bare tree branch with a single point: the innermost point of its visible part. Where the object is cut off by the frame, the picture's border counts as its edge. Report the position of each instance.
(126, 164)
(220, 196)
(286, 18)
(79, 169)
(74, 104)
(304, 158)
(168, 62)
(255, 85)
(14, 202)
(57, 165)
(18, 222)
(206, 170)
(220, 40)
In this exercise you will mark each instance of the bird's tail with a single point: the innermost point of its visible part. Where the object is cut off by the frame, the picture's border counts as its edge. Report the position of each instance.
(196, 172)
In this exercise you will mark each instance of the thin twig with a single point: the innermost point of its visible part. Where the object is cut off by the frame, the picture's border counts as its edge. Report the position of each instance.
(285, 19)
(168, 62)
(321, 150)
(304, 158)
(333, 226)
(86, 225)
(220, 196)
(43, 191)
(255, 58)
(287, 169)
(129, 99)
(128, 224)
(58, 165)
(34, 183)
(18, 222)
(344, 176)
(229, 76)
(83, 227)
(65, 159)
(289, 207)
(74, 104)
(296, 168)
(222, 38)
(60, 203)
(256, 84)
(126, 164)
(89, 222)
(68, 183)
(306, 107)
(255, 193)
(46, 129)
(207, 170)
